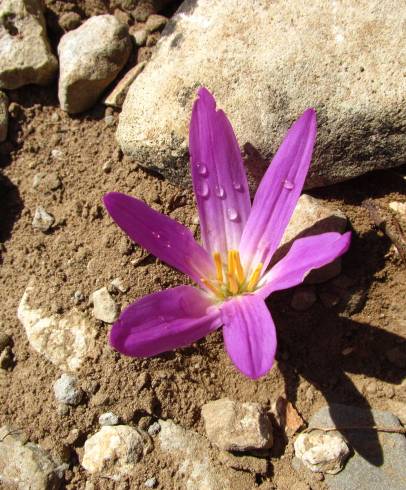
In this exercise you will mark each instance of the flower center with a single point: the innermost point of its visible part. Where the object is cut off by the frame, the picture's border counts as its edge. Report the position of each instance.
(231, 279)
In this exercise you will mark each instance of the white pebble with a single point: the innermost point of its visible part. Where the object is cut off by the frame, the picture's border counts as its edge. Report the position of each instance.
(151, 482)
(153, 429)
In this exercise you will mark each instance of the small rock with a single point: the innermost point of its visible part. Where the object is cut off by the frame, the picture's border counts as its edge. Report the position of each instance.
(139, 36)
(399, 409)
(113, 451)
(70, 21)
(153, 429)
(26, 56)
(3, 116)
(107, 167)
(152, 39)
(155, 22)
(6, 358)
(118, 285)
(66, 390)
(323, 452)
(303, 298)
(287, 416)
(78, 297)
(235, 426)
(142, 11)
(91, 57)
(122, 16)
(117, 96)
(46, 181)
(151, 482)
(5, 341)
(42, 220)
(104, 307)
(397, 356)
(65, 341)
(108, 418)
(57, 154)
(26, 465)
(398, 207)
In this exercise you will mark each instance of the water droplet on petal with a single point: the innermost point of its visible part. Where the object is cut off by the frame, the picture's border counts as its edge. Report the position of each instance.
(202, 189)
(237, 186)
(219, 191)
(155, 234)
(168, 245)
(232, 214)
(287, 184)
(161, 318)
(201, 168)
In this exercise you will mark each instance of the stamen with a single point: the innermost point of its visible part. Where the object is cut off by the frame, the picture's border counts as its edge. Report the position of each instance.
(212, 288)
(238, 266)
(219, 266)
(254, 277)
(230, 262)
(232, 284)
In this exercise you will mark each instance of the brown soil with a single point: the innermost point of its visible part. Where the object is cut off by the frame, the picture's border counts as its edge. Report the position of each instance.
(328, 353)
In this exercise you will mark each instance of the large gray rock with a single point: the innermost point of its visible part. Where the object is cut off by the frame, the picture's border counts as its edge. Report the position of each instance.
(266, 62)
(91, 57)
(25, 465)
(25, 54)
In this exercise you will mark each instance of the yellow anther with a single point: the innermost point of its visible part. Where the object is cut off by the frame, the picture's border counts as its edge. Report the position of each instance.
(212, 288)
(254, 277)
(238, 267)
(230, 262)
(219, 266)
(232, 284)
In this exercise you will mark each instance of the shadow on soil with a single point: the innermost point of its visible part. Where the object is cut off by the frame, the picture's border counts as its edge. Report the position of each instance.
(311, 343)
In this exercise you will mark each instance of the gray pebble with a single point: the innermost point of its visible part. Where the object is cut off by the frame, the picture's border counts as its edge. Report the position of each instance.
(108, 418)
(151, 482)
(42, 220)
(154, 429)
(66, 390)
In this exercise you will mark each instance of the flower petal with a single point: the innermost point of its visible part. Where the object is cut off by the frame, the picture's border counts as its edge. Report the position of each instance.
(249, 334)
(278, 192)
(164, 237)
(164, 321)
(218, 174)
(305, 254)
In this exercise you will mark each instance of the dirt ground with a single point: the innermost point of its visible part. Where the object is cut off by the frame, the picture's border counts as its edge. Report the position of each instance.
(329, 353)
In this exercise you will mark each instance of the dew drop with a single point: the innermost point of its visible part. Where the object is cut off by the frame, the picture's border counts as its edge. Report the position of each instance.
(202, 189)
(155, 234)
(232, 214)
(201, 168)
(219, 191)
(287, 184)
(237, 186)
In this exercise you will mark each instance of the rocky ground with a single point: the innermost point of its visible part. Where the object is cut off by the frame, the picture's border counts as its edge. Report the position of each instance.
(75, 414)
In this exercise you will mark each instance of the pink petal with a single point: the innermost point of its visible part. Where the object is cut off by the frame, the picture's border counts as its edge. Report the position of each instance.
(249, 334)
(218, 174)
(305, 254)
(164, 321)
(164, 237)
(278, 192)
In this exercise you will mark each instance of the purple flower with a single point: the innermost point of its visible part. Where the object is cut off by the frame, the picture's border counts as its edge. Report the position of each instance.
(239, 240)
